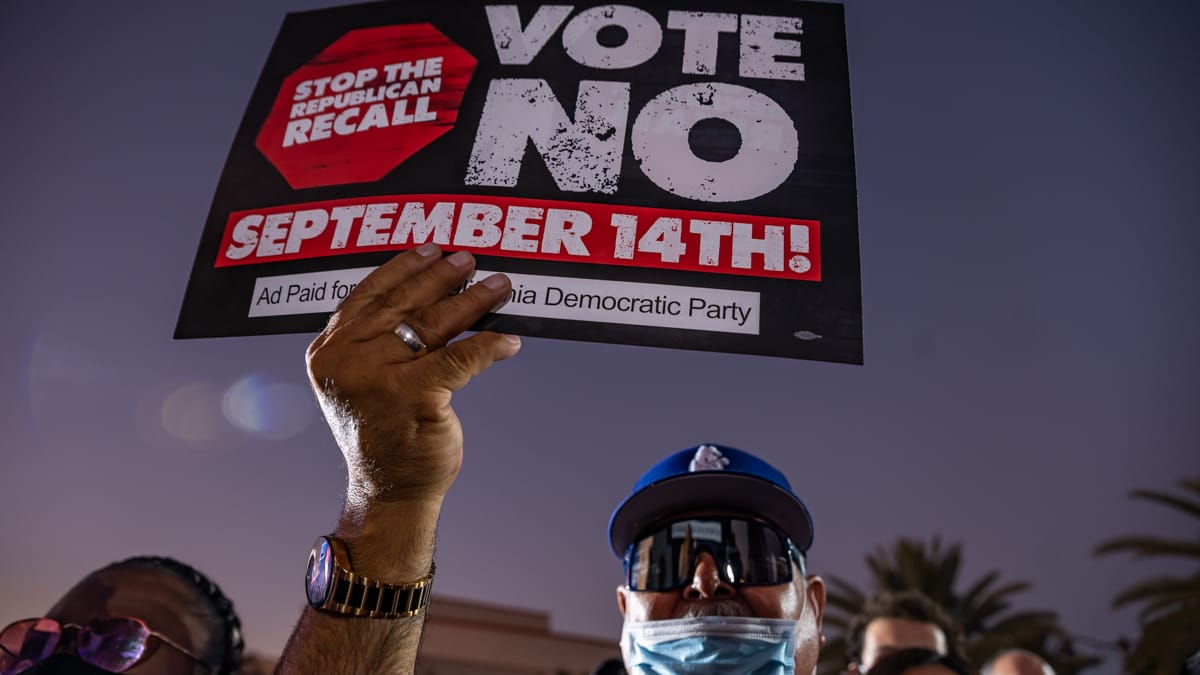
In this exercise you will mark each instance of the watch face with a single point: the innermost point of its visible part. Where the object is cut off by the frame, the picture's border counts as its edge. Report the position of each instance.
(319, 580)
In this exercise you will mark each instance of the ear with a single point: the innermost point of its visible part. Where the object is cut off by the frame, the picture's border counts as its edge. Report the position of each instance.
(621, 599)
(815, 594)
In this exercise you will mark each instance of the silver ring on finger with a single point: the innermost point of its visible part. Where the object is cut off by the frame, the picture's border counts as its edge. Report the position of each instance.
(409, 336)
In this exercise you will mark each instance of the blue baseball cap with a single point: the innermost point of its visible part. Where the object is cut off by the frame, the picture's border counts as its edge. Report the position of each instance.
(710, 476)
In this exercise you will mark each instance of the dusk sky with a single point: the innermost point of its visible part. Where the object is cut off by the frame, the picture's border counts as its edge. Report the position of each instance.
(1029, 191)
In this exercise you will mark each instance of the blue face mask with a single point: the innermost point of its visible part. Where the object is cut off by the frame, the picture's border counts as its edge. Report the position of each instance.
(710, 645)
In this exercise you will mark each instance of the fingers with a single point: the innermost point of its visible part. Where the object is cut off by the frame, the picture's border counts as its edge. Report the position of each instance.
(439, 323)
(375, 286)
(431, 284)
(388, 276)
(404, 288)
(424, 304)
(455, 365)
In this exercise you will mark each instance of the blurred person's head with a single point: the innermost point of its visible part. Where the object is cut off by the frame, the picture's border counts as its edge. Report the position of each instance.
(891, 622)
(714, 543)
(1191, 666)
(1017, 662)
(609, 667)
(172, 615)
(918, 661)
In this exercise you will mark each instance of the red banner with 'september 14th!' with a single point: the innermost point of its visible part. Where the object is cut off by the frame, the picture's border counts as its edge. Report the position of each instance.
(528, 228)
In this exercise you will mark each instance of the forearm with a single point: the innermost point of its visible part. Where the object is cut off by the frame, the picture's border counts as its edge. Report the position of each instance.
(387, 402)
(391, 542)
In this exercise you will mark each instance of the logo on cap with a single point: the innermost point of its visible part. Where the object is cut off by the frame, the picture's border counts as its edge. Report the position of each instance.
(708, 458)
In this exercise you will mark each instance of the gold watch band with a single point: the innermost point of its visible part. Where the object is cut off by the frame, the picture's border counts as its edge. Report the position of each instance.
(357, 595)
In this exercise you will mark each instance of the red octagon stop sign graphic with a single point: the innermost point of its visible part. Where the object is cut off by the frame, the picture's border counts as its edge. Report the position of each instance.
(365, 104)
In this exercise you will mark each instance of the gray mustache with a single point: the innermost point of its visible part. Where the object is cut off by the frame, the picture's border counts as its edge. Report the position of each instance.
(724, 608)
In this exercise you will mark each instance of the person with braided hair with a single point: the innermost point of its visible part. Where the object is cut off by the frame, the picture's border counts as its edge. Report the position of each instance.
(145, 616)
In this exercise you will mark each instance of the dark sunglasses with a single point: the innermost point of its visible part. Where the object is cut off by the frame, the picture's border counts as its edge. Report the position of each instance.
(114, 644)
(747, 553)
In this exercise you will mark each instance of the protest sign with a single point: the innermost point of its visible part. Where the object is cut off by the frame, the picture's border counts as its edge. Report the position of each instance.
(674, 174)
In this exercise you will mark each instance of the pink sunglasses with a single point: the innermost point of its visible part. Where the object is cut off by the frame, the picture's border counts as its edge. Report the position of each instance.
(114, 644)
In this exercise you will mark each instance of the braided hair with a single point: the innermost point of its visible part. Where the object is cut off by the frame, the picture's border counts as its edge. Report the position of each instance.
(232, 642)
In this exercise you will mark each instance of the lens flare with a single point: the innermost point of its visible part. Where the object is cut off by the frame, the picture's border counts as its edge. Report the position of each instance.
(190, 413)
(268, 408)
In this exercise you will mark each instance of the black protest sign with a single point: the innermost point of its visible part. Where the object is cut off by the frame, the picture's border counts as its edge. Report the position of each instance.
(675, 174)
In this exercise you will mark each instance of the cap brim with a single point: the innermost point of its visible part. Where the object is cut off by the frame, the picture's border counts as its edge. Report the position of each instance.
(710, 490)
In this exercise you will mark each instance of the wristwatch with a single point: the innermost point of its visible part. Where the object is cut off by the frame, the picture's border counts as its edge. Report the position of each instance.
(334, 589)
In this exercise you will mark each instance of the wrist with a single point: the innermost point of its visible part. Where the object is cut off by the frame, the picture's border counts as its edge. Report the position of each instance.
(333, 586)
(392, 541)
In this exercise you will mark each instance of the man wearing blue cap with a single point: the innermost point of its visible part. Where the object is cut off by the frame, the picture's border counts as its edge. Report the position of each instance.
(713, 538)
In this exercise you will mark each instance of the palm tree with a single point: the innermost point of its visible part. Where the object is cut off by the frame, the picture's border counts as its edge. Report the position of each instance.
(1170, 615)
(982, 611)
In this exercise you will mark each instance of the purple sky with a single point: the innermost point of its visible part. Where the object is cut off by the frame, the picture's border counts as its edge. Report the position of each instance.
(1029, 185)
